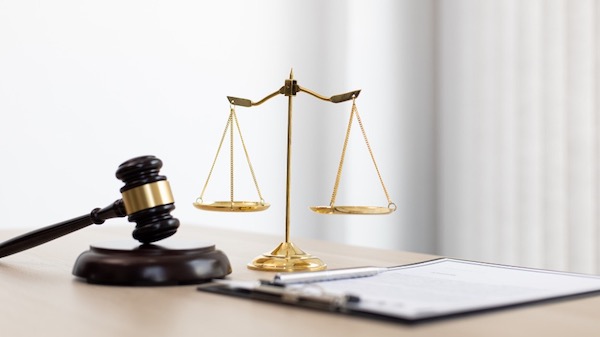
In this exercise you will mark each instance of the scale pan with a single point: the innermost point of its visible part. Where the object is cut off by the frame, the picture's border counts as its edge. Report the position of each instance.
(352, 209)
(233, 206)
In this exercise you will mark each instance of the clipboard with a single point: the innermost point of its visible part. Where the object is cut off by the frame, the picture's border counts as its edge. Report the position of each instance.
(421, 292)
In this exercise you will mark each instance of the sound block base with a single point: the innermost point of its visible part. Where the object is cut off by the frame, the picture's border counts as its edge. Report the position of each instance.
(169, 262)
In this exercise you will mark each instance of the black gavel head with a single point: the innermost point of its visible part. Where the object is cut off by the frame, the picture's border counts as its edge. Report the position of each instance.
(147, 198)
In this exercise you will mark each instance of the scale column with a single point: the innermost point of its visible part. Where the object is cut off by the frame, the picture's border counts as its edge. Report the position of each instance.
(290, 90)
(287, 256)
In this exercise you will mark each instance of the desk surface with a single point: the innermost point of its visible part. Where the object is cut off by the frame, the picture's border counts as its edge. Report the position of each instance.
(40, 297)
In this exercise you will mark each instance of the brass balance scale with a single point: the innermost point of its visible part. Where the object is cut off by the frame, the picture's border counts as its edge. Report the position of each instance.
(287, 257)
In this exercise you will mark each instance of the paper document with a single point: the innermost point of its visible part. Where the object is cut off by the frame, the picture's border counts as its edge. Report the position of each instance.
(445, 287)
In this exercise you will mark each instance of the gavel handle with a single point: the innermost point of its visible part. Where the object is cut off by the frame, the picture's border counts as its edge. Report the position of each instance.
(48, 233)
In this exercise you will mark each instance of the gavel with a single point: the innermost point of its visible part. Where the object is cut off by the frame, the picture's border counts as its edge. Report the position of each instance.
(146, 200)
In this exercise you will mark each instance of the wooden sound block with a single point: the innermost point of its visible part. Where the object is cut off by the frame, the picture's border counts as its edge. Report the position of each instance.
(169, 262)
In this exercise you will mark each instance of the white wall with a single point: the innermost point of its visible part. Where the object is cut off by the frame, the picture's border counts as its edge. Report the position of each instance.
(85, 85)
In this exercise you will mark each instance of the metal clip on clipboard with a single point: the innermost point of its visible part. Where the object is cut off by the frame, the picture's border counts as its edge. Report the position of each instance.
(310, 296)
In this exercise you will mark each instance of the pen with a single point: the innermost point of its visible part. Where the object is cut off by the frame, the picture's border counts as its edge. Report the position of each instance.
(326, 275)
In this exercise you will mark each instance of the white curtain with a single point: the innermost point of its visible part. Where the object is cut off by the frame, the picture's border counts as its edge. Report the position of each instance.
(518, 124)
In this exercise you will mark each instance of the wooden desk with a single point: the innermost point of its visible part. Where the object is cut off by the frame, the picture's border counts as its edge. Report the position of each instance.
(40, 297)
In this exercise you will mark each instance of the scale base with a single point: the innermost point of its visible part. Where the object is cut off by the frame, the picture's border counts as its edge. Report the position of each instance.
(287, 257)
(170, 262)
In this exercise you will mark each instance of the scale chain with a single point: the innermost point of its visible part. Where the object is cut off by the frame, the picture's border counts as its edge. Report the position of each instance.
(354, 112)
(216, 156)
(362, 129)
(229, 127)
(339, 171)
(247, 158)
(231, 114)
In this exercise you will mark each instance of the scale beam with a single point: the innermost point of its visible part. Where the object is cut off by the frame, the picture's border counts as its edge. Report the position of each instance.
(334, 99)
(291, 90)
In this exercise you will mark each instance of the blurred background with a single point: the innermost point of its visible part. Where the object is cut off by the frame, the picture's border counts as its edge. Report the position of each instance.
(483, 117)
